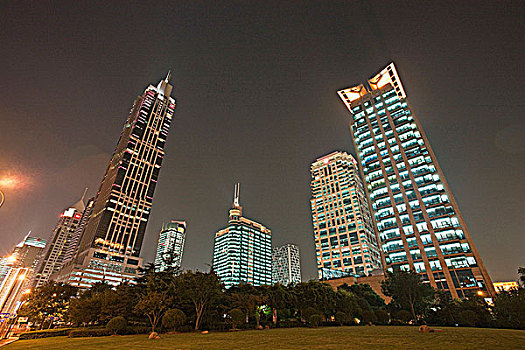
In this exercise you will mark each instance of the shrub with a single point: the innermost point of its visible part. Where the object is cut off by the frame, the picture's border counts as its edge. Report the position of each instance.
(307, 312)
(117, 325)
(382, 316)
(369, 317)
(314, 320)
(467, 318)
(173, 319)
(290, 323)
(89, 332)
(341, 318)
(403, 316)
(237, 317)
(58, 332)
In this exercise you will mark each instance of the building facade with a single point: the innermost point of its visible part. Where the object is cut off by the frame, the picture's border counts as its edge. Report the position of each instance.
(419, 222)
(53, 257)
(109, 246)
(345, 240)
(286, 265)
(171, 246)
(242, 252)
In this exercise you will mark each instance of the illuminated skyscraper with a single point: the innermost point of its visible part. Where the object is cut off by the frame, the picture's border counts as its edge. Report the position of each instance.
(171, 246)
(345, 240)
(27, 253)
(243, 250)
(53, 257)
(109, 247)
(286, 265)
(419, 222)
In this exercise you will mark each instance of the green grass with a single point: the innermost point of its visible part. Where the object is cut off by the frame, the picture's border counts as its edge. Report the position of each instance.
(374, 337)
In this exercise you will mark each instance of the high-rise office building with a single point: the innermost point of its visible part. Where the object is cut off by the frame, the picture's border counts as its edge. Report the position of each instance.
(72, 248)
(286, 265)
(53, 257)
(109, 247)
(27, 253)
(419, 222)
(171, 246)
(242, 252)
(345, 240)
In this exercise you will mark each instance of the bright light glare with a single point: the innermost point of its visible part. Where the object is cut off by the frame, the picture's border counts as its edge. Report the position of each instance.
(11, 258)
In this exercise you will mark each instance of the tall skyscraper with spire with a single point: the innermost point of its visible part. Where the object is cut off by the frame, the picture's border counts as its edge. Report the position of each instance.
(419, 222)
(242, 252)
(53, 257)
(109, 246)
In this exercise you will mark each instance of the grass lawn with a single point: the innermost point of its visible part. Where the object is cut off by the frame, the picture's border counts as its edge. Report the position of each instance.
(375, 337)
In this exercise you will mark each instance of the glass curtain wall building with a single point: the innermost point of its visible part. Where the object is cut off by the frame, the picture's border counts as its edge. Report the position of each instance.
(242, 251)
(110, 244)
(419, 222)
(345, 240)
(171, 246)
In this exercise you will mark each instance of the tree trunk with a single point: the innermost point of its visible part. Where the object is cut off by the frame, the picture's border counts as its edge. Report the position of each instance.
(274, 316)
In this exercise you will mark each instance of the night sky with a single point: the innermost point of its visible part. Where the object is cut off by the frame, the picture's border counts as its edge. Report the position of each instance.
(255, 84)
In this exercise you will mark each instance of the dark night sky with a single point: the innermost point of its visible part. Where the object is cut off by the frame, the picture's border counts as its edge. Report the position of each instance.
(256, 89)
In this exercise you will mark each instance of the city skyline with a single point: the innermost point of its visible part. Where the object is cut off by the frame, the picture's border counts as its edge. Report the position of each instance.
(81, 81)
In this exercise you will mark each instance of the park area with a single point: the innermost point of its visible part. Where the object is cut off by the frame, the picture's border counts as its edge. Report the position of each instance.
(364, 337)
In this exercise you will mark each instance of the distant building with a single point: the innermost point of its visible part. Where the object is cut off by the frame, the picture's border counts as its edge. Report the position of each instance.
(19, 269)
(55, 252)
(419, 223)
(27, 253)
(286, 265)
(345, 240)
(72, 249)
(243, 250)
(12, 289)
(109, 246)
(505, 286)
(171, 246)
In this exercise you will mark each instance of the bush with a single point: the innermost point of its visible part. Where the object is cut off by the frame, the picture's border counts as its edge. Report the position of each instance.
(467, 318)
(237, 317)
(369, 317)
(404, 316)
(117, 325)
(290, 323)
(341, 318)
(45, 333)
(89, 332)
(314, 320)
(173, 319)
(309, 311)
(382, 316)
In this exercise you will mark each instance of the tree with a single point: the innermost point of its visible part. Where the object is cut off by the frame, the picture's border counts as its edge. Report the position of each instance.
(315, 294)
(173, 319)
(236, 316)
(365, 291)
(201, 288)
(153, 305)
(49, 302)
(509, 308)
(521, 272)
(408, 292)
(277, 297)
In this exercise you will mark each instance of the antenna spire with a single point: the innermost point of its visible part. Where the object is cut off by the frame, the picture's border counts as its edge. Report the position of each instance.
(236, 194)
(168, 77)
